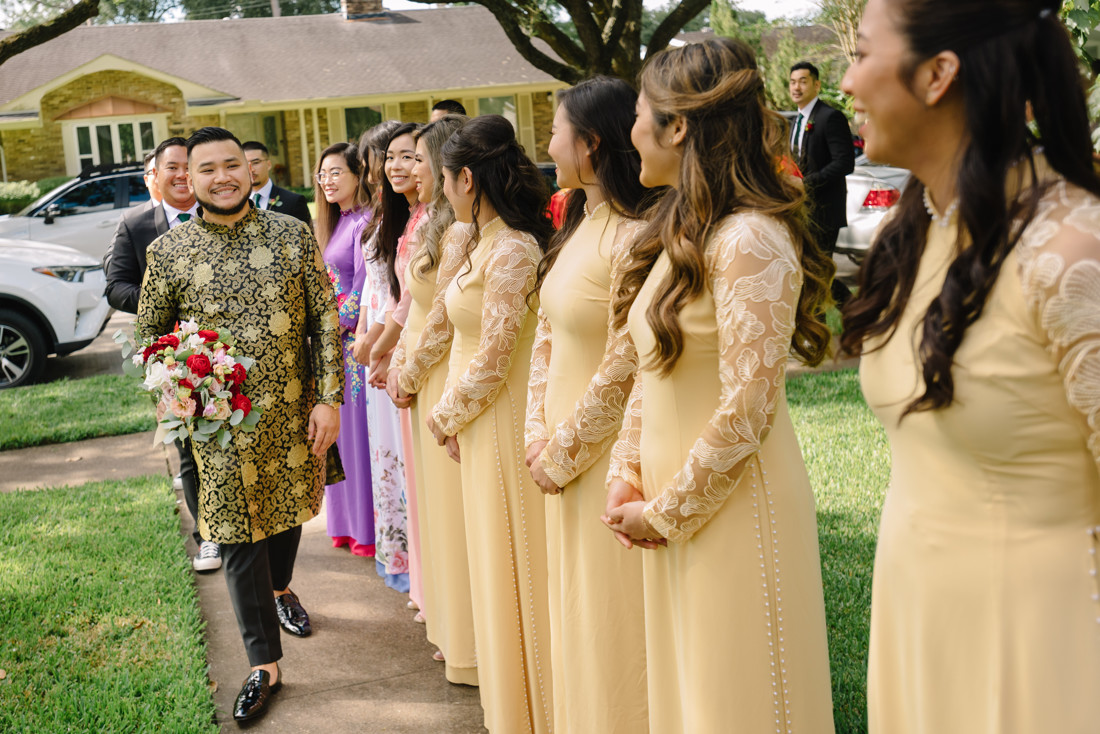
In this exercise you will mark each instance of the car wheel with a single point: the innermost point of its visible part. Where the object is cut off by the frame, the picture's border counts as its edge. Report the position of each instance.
(22, 350)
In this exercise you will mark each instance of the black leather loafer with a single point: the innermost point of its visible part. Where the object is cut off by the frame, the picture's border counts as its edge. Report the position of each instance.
(255, 695)
(292, 617)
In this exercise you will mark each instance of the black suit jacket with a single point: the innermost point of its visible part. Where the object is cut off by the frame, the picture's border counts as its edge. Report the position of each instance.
(288, 202)
(827, 157)
(124, 262)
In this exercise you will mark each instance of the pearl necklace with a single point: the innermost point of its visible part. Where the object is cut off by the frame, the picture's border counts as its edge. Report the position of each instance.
(948, 213)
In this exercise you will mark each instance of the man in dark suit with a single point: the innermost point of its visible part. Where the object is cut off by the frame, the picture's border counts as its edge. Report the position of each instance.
(821, 142)
(265, 194)
(172, 204)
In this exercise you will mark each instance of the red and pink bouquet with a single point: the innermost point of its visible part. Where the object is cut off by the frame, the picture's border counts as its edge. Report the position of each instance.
(197, 378)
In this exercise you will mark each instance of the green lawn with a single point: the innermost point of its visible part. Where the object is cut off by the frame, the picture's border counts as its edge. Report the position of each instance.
(849, 464)
(100, 629)
(71, 410)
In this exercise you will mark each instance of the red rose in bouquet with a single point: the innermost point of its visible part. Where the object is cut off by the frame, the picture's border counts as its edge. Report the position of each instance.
(199, 396)
(199, 364)
(241, 403)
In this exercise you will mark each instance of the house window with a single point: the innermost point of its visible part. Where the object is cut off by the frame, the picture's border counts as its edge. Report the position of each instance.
(271, 135)
(113, 142)
(504, 106)
(360, 119)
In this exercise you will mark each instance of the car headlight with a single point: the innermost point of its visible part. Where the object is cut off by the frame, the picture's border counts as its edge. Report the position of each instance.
(68, 273)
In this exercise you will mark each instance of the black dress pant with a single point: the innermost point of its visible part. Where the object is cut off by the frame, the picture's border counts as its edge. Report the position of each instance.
(189, 475)
(826, 240)
(253, 571)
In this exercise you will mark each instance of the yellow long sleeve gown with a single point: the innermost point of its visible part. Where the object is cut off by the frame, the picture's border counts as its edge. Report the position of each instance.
(581, 375)
(735, 615)
(484, 405)
(985, 611)
(421, 358)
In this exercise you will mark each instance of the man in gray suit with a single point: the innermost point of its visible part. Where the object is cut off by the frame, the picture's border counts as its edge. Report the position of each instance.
(124, 262)
(124, 265)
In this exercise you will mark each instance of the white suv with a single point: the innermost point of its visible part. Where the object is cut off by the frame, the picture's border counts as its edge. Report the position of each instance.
(81, 213)
(51, 302)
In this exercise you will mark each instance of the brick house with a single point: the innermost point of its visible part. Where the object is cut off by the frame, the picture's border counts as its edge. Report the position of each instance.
(102, 94)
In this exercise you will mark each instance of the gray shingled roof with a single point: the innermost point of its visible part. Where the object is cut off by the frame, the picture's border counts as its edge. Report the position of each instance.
(296, 57)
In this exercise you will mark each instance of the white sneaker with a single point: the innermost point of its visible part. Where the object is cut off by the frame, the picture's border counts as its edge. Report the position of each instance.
(177, 482)
(209, 557)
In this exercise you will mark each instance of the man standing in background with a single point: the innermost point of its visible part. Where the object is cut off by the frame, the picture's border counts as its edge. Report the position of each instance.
(265, 194)
(821, 142)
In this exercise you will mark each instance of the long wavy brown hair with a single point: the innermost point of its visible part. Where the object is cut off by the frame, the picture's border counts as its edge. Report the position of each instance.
(730, 164)
(1011, 52)
(440, 214)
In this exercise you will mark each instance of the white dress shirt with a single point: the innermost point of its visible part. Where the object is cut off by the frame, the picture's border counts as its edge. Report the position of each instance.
(265, 194)
(173, 214)
(796, 136)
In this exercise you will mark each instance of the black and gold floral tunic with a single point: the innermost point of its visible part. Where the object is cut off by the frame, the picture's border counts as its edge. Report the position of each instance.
(263, 279)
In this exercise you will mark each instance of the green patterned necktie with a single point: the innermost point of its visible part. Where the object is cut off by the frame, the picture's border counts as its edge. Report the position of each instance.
(256, 198)
(183, 216)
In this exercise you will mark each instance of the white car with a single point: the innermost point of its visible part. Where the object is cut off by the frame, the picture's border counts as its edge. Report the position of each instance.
(872, 189)
(81, 213)
(51, 302)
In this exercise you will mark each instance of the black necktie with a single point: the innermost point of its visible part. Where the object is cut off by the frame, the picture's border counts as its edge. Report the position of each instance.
(796, 141)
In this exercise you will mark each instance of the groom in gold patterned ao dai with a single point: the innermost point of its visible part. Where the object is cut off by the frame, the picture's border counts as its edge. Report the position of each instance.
(260, 275)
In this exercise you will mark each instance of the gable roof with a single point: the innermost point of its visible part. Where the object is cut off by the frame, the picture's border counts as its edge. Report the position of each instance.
(295, 57)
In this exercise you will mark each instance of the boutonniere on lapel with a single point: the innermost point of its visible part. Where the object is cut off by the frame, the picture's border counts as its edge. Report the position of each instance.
(273, 203)
(810, 126)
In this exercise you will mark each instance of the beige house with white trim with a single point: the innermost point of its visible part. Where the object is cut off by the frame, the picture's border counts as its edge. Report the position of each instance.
(108, 94)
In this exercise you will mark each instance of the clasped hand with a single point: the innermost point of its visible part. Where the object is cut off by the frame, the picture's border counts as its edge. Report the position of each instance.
(448, 442)
(623, 516)
(546, 484)
(399, 397)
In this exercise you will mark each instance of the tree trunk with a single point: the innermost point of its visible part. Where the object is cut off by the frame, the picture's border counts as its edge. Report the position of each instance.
(51, 29)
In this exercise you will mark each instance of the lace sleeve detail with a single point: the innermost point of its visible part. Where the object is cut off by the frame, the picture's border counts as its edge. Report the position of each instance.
(1060, 277)
(509, 277)
(755, 278)
(586, 435)
(435, 338)
(626, 453)
(535, 428)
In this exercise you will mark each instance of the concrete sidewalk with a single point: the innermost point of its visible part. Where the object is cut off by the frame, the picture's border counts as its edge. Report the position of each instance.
(367, 666)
